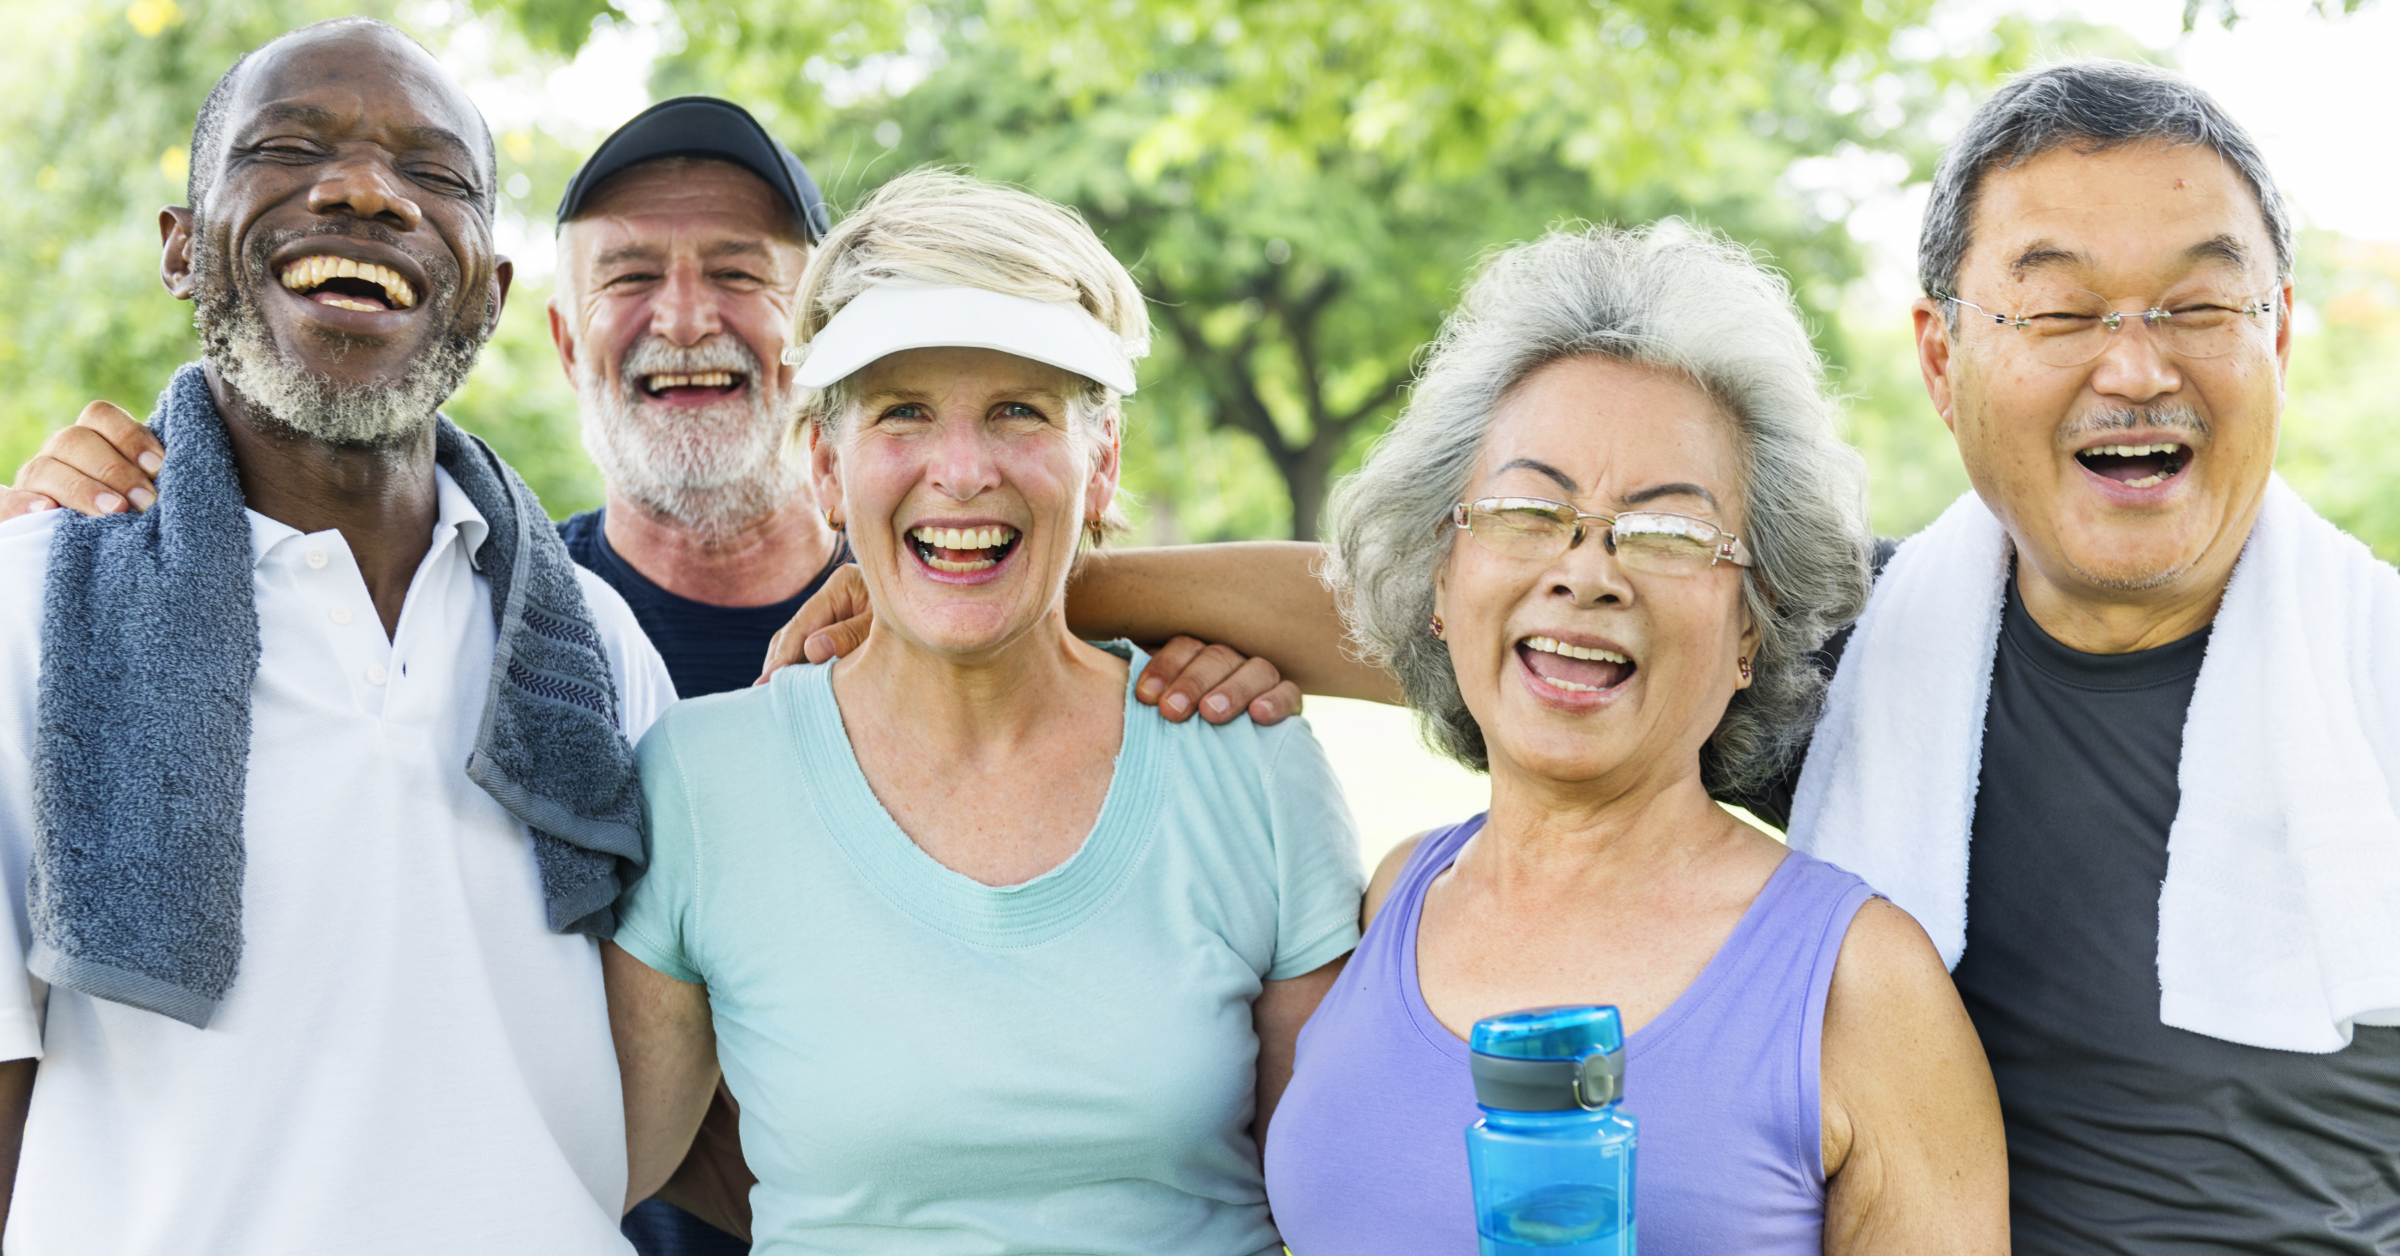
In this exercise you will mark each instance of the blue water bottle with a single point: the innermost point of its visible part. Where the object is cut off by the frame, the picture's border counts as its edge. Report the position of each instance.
(1552, 1158)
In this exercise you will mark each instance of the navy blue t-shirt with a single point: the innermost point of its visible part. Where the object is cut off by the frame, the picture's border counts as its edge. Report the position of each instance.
(708, 649)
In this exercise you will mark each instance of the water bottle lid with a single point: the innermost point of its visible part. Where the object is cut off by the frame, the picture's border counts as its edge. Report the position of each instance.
(1549, 1059)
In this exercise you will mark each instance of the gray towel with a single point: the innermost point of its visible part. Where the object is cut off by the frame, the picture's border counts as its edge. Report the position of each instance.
(149, 647)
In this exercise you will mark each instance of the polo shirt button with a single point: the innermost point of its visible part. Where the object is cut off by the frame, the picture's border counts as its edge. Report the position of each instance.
(316, 558)
(376, 674)
(341, 615)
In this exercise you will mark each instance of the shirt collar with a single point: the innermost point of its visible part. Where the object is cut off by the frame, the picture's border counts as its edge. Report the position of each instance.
(455, 517)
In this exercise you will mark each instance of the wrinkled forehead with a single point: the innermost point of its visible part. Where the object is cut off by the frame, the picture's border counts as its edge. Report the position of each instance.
(363, 82)
(2144, 216)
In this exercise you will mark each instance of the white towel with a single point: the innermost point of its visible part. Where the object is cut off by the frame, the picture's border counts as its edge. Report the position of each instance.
(2279, 922)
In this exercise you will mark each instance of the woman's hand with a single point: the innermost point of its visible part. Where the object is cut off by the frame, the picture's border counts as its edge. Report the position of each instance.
(1184, 675)
(667, 1058)
(1912, 1140)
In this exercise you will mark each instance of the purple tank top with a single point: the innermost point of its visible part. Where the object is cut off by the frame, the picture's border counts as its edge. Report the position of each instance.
(1367, 1153)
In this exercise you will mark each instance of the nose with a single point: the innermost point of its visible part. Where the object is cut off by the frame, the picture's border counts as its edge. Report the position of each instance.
(2135, 366)
(1589, 574)
(683, 312)
(962, 467)
(363, 185)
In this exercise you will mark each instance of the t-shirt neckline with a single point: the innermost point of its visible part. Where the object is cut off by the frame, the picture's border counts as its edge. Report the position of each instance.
(2139, 669)
(667, 596)
(1641, 1041)
(1028, 913)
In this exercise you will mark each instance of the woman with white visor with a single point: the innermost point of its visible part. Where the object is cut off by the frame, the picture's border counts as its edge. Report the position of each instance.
(990, 964)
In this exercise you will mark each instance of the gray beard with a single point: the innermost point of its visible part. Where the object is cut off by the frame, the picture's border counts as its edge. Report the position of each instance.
(715, 470)
(287, 394)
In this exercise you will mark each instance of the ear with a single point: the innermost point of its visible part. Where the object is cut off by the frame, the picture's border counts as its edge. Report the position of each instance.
(1101, 489)
(504, 274)
(175, 250)
(563, 337)
(1933, 355)
(826, 470)
(2283, 332)
(1749, 641)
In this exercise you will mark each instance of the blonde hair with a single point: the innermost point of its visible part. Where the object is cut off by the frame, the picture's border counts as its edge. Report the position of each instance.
(940, 228)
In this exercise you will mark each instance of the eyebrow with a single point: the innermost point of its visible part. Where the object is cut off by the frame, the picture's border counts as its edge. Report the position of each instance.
(326, 119)
(2042, 255)
(2221, 248)
(1564, 480)
(1641, 496)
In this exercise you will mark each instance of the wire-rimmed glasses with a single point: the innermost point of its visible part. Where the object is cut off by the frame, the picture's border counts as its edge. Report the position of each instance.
(2075, 327)
(1644, 540)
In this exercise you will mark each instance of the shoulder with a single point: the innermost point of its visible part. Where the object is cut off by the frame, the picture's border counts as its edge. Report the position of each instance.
(1387, 875)
(643, 684)
(578, 531)
(24, 569)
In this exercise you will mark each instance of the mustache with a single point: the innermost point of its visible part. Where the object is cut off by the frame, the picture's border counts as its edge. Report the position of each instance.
(2171, 417)
(655, 355)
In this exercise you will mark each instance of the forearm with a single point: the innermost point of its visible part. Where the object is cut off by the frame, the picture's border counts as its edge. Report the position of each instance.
(16, 1099)
(1262, 598)
(667, 1060)
(714, 1182)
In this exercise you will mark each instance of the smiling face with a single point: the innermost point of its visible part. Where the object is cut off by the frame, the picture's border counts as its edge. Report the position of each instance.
(342, 266)
(2134, 478)
(1575, 668)
(683, 274)
(964, 480)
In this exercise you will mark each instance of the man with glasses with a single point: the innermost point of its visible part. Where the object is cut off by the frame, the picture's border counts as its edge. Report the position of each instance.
(2112, 729)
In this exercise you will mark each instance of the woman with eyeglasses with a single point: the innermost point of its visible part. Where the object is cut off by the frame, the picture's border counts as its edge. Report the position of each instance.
(1596, 552)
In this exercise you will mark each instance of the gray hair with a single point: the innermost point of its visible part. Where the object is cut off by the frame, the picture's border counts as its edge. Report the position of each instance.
(1668, 297)
(2094, 106)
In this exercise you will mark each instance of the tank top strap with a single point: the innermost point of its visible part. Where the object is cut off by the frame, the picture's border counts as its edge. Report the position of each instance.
(1757, 1012)
(1386, 956)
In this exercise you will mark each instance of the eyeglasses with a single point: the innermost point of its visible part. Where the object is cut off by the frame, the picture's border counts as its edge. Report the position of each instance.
(1644, 540)
(2074, 328)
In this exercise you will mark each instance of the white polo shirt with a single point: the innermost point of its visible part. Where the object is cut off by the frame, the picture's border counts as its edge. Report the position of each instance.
(408, 1061)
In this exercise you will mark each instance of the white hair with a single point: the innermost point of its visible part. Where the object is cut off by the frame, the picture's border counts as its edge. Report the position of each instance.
(1667, 297)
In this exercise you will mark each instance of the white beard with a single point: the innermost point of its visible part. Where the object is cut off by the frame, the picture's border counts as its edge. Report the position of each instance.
(714, 469)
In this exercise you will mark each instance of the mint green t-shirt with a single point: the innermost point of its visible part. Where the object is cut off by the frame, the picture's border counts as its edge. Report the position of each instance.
(931, 1065)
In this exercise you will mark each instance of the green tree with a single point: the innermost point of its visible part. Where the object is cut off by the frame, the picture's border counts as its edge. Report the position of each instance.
(1301, 187)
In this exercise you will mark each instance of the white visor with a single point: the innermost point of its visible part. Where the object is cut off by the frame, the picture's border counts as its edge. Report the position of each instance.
(888, 318)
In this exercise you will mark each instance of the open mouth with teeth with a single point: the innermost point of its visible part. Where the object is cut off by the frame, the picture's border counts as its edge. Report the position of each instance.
(692, 385)
(964, 551)
(2137, 466)
(347, 284)
(1573, 668)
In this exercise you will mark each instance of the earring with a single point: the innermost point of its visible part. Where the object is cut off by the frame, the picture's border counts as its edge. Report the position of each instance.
(832, 522)
(1435, 625)
(1097, 529)
(1743, 663)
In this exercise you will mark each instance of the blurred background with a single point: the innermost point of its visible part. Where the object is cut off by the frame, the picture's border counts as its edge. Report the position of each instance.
(1300, 186)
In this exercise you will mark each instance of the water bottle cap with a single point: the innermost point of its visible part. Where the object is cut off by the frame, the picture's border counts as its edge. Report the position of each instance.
(1549, 1059)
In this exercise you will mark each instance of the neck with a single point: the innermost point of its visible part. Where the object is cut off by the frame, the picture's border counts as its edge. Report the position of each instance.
(981, 709)
(1550, 836)
(767, 560)
(381, 500)
(2109, 621)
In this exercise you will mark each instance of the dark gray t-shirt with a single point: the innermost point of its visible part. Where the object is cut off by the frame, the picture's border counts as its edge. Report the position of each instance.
(2125, 1136)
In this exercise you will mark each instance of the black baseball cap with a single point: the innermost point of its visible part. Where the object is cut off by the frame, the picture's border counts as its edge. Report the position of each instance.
(702, 126)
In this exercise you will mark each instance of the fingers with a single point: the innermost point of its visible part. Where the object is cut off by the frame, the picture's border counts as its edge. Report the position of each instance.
(136, 443)
(1275, 704)
(1250, 684)
(17, 501)
(1159, 684)
(81, 469)
(832, 623)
